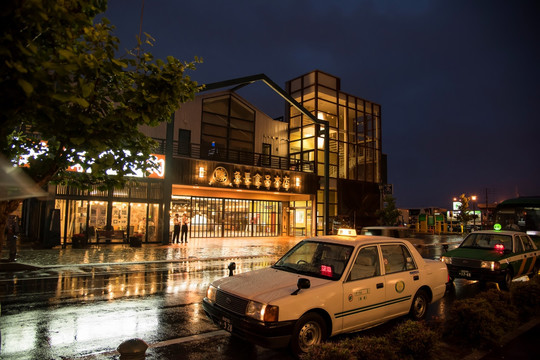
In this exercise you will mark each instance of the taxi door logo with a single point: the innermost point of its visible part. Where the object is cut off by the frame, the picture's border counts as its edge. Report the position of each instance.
(400, 286)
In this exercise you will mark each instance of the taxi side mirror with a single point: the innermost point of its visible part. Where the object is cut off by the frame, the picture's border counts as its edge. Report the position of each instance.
(302, 283)
(231, 267)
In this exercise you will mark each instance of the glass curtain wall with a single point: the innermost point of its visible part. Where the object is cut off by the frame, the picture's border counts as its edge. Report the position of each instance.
(227, 129)
(354, 134)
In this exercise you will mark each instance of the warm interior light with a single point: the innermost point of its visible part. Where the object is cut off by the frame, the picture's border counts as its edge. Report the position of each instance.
(297, 182)
(320, 143)
(201, 171)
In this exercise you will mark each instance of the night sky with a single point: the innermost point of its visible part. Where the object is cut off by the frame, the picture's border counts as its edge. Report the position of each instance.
(458, 81)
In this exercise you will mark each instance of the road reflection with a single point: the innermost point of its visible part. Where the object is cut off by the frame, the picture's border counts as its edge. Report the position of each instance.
(101, 310)
(120, 281)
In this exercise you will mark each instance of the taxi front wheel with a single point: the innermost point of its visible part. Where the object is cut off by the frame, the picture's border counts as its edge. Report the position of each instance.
(419, 305)
(310, 330)
(505, 283)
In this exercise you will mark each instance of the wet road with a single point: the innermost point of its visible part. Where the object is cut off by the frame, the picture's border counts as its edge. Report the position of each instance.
(86, 312)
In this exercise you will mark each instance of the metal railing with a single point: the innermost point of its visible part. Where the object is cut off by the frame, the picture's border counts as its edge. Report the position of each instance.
(194, 151)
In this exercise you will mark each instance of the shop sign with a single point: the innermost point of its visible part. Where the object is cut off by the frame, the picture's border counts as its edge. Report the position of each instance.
(220, 177)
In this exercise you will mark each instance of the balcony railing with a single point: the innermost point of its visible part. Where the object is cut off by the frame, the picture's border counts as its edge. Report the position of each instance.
(194, 151)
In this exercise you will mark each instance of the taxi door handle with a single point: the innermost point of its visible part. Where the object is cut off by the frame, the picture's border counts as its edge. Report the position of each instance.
(416, 277)
(380, 285)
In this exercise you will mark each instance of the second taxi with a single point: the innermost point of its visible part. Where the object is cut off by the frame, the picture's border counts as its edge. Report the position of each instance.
(326, 286)
(494, 255)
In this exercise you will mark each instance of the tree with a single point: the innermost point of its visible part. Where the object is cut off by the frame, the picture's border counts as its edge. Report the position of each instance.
(68, 99)
(389, 214)
(463, 215)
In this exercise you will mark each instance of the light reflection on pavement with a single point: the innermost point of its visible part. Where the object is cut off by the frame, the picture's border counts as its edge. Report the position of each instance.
(83, 301)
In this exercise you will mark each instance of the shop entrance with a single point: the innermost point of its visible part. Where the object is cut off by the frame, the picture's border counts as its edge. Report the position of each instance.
(300, 218)
(219, 217)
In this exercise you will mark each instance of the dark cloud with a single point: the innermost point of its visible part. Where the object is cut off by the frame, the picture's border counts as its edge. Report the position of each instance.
(458, 81)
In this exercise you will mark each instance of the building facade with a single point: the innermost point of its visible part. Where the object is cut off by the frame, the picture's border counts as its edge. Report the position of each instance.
(236, 172)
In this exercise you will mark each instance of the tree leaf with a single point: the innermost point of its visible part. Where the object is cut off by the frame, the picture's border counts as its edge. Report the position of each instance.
(26, 86)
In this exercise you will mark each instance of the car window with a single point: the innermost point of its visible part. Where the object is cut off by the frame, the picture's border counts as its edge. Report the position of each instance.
(519, 245)
(527, 243)
(318, 259)
(488, 241)
(397, 258)
(366, 264)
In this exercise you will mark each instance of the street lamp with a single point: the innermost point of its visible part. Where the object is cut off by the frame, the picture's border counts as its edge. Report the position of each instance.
(473, 198)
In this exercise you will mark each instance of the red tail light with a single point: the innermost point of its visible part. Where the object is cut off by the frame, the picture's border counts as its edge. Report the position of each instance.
(499, 247)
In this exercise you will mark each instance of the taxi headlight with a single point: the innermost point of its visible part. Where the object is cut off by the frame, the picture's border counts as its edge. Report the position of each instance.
(262, 312)
(491, 265)
(211, 293)
(446, 259)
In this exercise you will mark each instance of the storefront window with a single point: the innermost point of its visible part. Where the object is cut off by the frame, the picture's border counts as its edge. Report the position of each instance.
(98, 215)
(119, 220)
(153, 228)
(237, 218)
(206, 219)
(137, 219)
(266, 218)
(72, 217)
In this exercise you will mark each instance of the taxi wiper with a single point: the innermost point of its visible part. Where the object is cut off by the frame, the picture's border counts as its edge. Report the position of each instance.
(285, 268)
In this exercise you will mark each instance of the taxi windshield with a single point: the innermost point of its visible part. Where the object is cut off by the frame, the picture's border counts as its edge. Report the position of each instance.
(318, 259)
(488, 241)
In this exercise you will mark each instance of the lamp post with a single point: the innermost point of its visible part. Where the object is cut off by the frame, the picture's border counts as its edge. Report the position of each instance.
(473, 198)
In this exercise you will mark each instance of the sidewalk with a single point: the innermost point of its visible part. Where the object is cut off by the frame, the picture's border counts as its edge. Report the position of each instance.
(110, 254)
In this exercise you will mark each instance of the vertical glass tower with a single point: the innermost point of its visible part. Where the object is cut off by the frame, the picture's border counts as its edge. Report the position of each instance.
(354, 144)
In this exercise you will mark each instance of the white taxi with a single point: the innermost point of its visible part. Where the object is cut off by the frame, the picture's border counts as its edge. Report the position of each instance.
(326, 286)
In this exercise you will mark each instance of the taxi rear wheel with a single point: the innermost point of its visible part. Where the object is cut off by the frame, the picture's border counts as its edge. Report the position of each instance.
(505, 283)
(419, 305)
(310, 330)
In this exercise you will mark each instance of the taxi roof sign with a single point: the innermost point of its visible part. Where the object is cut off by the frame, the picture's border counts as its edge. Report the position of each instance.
(497, 227)
(347, 232)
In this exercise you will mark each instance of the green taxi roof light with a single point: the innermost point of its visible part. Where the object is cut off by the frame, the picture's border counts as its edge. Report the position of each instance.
(497, 227)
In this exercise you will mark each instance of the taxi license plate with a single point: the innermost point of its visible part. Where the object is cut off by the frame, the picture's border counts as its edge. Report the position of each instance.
(226, 324)
(465, 273)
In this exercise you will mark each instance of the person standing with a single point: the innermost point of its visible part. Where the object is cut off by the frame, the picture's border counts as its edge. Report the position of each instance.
(176, 232)
(185, 222)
